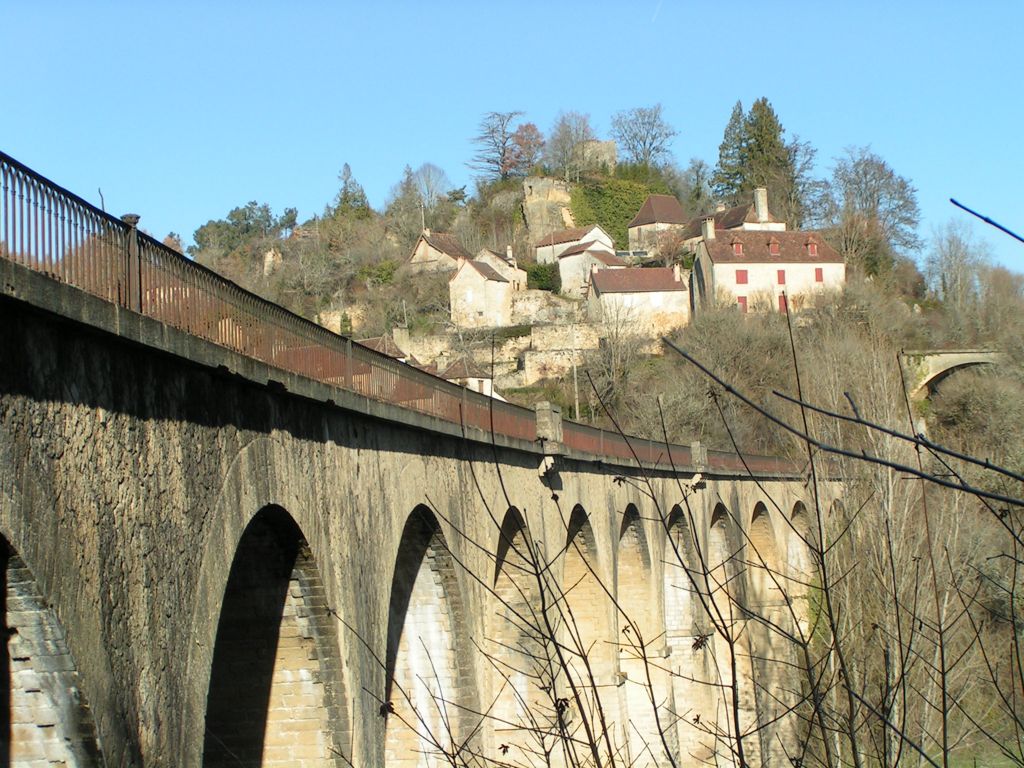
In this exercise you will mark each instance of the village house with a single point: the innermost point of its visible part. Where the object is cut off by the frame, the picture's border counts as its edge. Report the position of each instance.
(658, 214)
(468, 374)
(763, 271)
(576, 265)
(479, 297)
(748, 217)
(652, 300)
(505, 265)
(552, 246)
(436, 252)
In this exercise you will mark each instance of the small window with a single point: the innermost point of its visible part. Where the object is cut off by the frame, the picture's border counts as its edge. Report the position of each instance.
(812, 249)
(782, 276)
(741, 301)
(773, 248)
(737, 249)
(741, 277)
(783, 306)
(819, 275)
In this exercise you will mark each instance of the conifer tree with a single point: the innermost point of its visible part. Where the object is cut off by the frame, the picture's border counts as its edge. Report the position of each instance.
(728, 176)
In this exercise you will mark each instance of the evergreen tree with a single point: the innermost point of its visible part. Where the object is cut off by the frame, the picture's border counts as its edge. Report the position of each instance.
(728, 176)
(753, 154)
(351, 201)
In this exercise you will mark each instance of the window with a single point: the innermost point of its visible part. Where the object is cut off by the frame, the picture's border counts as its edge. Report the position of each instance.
(741, 301)
(741, 277)
(819, 275)
(782, 276)
(737, 249)
(783, 308)
(773, 248)
(812, 249)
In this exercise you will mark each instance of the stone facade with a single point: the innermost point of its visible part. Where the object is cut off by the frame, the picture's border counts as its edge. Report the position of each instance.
(161, 500)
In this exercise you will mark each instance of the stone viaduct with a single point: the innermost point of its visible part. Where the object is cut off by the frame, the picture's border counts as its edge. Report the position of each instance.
(212, 560)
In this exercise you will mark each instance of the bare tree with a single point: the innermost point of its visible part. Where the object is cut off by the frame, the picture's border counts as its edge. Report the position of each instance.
(565, 152)
(643, 134)
(431, 183)
(495, 154)
(874, 211)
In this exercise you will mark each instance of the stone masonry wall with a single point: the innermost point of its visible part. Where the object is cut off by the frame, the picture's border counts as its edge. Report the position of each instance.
(128, 477)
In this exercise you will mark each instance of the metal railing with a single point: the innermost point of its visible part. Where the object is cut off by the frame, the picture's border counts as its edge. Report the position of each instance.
(48, 229)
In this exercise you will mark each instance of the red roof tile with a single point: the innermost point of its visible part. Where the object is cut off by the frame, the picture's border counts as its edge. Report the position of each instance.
(730, 218)
(464, 369)
(792, 248)
(647, 280)
(488, 272)
(446, 243)
(659, 209)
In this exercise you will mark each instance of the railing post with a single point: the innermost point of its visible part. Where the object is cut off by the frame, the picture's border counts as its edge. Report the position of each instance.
(549, 427)
(348, 363)
(698, 456)
(133, 271)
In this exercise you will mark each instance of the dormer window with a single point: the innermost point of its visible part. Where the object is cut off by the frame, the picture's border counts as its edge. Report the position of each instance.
(773, 247)
(812, 248)
(737, 249)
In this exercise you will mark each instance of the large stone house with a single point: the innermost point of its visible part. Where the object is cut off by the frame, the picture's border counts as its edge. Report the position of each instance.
(576, 265)
(763, 270)
(652, 300)
(658, 214)
(436, 252)
(505, 265)
(552, 246)
(479, 297)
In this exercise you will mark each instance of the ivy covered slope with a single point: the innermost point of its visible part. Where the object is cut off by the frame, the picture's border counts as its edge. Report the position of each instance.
(613, 202)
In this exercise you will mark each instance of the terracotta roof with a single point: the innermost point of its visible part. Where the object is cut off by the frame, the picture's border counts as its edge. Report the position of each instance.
(659, 209)
(609, 259)
(464, 369)
(383, 344)
(488, 272)
(730, 218)
(446, 243)
(792, 248)
(639, 280)
(566, 235)
(504, 257)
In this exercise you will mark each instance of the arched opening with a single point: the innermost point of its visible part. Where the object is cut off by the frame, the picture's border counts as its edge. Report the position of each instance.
(430, 698)
(686, 644)
(45, 718)
(516, 654)
(588, 635)
(718, 569)
(729, 644)
(275, 694)
(641, 646)
(801, 563)
(764, 567)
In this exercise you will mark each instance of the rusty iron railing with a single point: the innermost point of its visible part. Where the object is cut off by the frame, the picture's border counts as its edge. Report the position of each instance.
(48, 229)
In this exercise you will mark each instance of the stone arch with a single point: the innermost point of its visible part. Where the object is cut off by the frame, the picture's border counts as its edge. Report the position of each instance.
(429, 686)
(515, 659)
(685, 659)
(641, 643)
(275, 695)
(764, 566)
(718, 566)
(586, 618)
(44, 717)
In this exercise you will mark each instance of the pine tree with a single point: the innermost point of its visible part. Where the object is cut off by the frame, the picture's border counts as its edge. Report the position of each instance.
(728, 176)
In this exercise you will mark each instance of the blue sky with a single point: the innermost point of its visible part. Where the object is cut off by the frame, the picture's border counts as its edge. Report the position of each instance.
(181, 111)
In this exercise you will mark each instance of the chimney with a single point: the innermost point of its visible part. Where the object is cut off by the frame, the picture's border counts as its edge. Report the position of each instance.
(761, 204)
(508, 253)
(677, 273)
(707, 228)
(426, 231)
(720, 207)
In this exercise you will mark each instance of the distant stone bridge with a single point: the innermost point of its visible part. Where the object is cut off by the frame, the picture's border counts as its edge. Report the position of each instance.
(209, 559)
(925, 368)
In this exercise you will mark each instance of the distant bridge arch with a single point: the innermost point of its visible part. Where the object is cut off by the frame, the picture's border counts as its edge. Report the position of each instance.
(925, 368)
